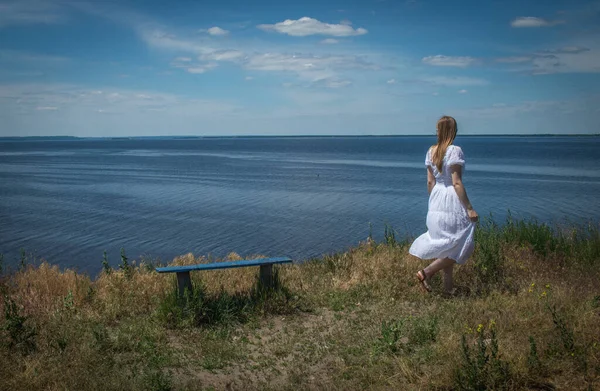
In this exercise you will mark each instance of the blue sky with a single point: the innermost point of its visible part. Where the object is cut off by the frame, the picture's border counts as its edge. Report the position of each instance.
(133, 68)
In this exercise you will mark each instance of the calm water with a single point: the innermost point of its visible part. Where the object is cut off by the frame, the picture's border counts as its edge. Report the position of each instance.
(67, 201)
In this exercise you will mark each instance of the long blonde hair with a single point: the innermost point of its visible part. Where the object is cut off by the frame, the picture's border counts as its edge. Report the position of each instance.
(446, 132)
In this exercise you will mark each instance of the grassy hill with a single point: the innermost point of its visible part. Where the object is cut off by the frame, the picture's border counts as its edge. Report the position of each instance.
(526, 316)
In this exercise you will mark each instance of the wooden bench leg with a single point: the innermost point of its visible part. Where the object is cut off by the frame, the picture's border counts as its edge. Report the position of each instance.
(184, 282)
(266, 275)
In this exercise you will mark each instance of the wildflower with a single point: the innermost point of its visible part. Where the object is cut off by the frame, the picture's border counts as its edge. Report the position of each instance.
(532, 284)
(547, 286)
(479, 328)
(543, 294)
(492, 324)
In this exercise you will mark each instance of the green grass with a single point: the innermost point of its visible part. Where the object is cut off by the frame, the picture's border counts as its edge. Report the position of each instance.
(526, 317)
(199, 307)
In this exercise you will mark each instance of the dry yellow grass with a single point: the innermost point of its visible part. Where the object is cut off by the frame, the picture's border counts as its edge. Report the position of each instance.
(106, 333)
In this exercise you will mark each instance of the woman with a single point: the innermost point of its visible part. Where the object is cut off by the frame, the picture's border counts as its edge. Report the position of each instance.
(451, 218)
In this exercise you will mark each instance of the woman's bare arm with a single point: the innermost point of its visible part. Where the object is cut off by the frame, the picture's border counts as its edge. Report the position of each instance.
(430, 180)
(461, 192)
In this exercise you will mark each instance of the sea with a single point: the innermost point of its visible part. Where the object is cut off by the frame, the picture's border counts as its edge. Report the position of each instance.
(69, 200)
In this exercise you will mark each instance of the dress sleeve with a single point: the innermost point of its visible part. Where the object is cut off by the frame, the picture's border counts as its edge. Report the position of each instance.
(456, 157)
(428, 159)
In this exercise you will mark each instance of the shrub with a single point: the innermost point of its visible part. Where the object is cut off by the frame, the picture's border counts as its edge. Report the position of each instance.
(482, 368)
(105, 265)
(488, 258)
(406, 334)
(21, 336)
(125, 266)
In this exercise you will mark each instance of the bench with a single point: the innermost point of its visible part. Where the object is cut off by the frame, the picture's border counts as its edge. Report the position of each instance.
(185, 282)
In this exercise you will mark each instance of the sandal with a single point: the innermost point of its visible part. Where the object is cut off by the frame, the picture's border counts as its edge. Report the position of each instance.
(422, 277)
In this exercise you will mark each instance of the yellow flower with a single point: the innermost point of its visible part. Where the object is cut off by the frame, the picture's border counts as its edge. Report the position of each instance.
(479, 328)
(532, 284)
(543, 294)
(547, 286)
(492, 324)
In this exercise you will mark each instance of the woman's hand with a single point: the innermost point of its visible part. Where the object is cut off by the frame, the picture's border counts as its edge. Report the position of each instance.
(473, 216)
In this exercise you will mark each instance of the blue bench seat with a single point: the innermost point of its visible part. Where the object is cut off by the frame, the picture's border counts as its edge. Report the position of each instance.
(183, 272)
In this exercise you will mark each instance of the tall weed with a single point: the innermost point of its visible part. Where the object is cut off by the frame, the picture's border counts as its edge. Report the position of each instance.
(198, 307)
(481, 367)
(21, 335)
(488, 257)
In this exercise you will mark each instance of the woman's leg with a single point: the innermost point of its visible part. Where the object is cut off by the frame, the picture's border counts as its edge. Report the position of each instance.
(437, 265)
(448, 283)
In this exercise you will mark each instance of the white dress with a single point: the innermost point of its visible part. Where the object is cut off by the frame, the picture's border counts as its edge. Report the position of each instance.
(450, 231)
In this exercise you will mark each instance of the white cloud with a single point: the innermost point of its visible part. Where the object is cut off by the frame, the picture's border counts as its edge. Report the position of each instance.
(197, 50)
(329, 41)
(309, 26)
(248, 78)
(309, 67)
(391, 81)
(151, 32)
(532, 21)
(190, 66)
(201, 68)
(507, 111)
(196, 70)
(163, 40)
(21, 12)
(65, 97)
(80, 112)
(453, 81)
(462, 91)
(165, 114)
(543, 65)
(567, 50)
(435, 94)
(332, 83)
(23, 56)
(582, 62)
(217, 31)
(583, 57)
(222, 55)
(515, 59)
(449, 61)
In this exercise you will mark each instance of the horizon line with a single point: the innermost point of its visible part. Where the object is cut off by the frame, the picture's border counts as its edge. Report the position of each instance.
(292, 136)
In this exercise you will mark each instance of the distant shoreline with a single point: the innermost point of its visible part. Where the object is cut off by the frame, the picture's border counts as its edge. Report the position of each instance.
(75, 138)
